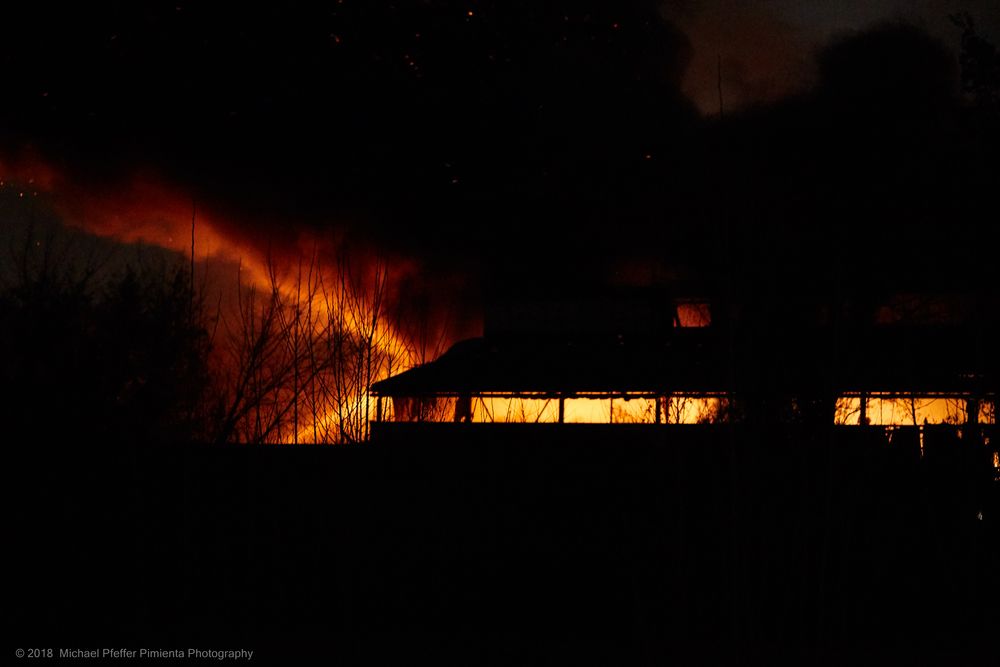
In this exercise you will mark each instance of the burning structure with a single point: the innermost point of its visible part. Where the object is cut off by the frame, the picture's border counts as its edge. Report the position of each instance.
(646, 356)
(639, 360)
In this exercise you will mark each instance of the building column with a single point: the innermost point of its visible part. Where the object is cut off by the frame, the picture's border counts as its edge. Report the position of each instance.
(971, 411)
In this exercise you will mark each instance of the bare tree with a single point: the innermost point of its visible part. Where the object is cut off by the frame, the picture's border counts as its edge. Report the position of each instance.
(304, 355)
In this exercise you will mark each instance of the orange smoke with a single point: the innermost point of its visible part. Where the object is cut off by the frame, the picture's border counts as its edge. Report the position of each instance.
(759, 58)
(144, 208)
(311, 290)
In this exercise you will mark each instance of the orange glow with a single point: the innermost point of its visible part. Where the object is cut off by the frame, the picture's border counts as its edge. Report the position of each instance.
(588, 411)
(544, 409)
(760, 58)
(885, 410)
(144, 209)
(694, 314)
(515, 410)
(28, 171)
(316, 291)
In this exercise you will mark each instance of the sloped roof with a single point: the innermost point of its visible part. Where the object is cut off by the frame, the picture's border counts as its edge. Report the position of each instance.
(552, 365)
(704, 361)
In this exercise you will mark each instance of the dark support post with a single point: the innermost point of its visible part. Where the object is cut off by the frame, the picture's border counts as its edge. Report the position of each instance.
(659, 409)
(562, 409)
(463, 408)
(863, 416)
(971, 411)
(378, 408)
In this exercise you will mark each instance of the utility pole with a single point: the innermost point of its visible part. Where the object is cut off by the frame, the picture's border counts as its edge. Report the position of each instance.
(194, 210)
(719, 82)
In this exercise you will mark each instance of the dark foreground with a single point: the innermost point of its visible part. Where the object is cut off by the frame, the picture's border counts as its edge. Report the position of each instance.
(606, 545)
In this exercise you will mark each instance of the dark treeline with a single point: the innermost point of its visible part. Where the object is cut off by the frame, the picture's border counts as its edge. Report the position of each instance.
(92, 353)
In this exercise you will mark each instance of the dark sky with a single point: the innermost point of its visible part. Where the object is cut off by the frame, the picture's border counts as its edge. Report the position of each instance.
(414, 118)
(767, 46)
(513, 134)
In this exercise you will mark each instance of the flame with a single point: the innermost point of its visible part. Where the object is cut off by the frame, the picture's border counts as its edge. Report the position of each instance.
(313, 281)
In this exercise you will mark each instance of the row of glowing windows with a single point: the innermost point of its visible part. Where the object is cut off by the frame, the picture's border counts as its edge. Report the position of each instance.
(880, 411)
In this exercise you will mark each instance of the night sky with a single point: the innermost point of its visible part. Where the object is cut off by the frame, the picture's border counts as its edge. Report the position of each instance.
(509, 135)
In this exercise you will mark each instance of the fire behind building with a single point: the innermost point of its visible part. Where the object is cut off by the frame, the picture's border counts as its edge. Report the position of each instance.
(647, 356)
(912, 377)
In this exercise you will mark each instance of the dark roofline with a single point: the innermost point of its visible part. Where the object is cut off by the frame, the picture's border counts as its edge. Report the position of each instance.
(699, 362)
